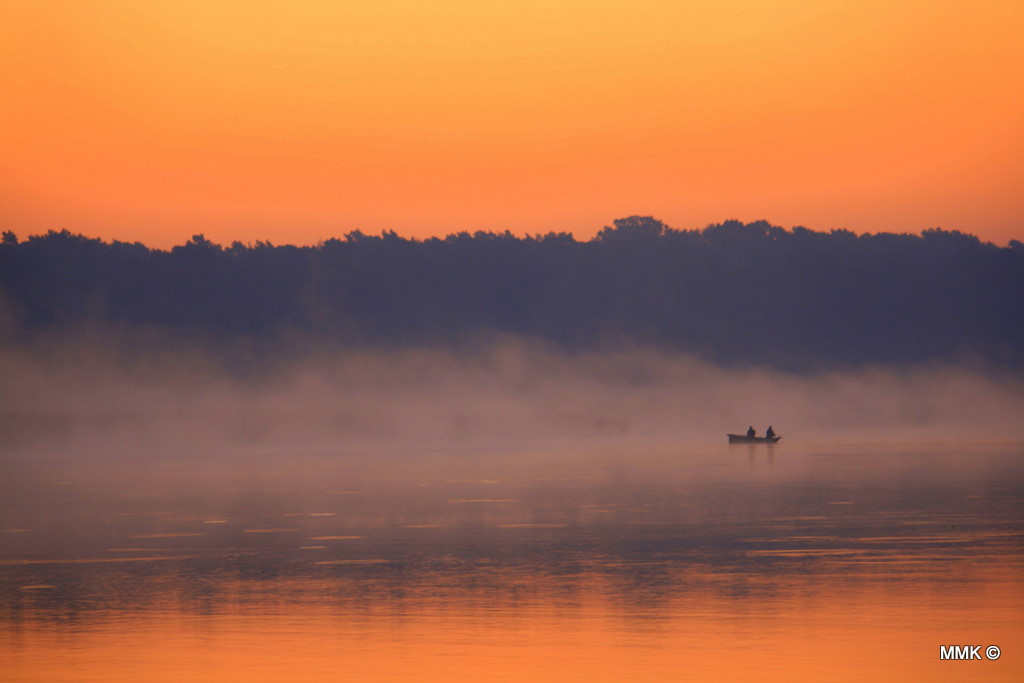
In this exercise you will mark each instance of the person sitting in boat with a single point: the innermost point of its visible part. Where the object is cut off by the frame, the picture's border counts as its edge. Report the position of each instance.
(751, 432)
(770, 434)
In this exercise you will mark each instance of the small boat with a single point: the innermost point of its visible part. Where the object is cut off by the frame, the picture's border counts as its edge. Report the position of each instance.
(743, 438)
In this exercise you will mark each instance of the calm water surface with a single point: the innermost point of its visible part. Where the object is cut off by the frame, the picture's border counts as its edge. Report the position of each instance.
(803, 562)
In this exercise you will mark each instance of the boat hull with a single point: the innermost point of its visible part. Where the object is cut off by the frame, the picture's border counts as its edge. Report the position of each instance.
(743, 438)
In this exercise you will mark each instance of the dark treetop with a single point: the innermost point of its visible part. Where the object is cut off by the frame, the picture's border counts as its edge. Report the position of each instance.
(732, 292)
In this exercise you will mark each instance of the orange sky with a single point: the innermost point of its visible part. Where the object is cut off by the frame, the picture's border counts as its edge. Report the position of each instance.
(297, 121)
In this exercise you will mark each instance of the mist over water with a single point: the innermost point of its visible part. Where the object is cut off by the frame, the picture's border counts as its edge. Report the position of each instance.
(506, 510)
(505, 393)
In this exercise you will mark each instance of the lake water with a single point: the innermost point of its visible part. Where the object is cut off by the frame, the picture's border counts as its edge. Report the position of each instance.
(846, 562)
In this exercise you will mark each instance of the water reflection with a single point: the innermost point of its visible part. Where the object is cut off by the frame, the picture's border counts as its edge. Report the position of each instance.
(548, 566)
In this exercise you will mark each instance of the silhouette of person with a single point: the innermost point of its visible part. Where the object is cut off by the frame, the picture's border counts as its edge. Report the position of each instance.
(751, 432)
(770, 433)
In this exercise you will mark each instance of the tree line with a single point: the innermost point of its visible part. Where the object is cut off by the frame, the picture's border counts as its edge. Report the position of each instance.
(733, 292)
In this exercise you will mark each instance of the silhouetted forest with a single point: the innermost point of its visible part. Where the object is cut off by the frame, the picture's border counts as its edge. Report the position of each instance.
(732, 292)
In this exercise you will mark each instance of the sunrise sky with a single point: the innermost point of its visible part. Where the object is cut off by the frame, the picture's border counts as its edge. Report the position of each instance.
(298, 121)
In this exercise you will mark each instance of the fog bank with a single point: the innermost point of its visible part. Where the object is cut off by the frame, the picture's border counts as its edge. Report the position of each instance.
(507, 393)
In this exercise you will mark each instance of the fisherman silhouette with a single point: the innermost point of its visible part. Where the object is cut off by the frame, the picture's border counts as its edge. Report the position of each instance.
(751, 432)
(770, 433)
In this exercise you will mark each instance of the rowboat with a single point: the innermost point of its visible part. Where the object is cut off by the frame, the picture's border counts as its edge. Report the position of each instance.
(743, 438)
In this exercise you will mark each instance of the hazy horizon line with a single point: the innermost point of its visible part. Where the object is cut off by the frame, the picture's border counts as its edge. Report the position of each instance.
(358, 232)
